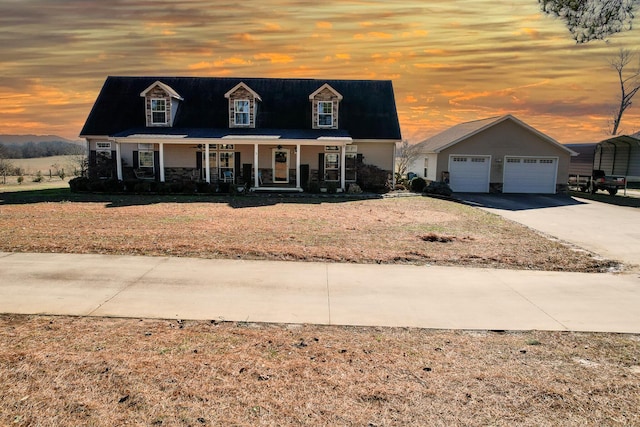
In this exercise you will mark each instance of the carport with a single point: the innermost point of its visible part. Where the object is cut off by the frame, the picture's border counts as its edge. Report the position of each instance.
(619, 156)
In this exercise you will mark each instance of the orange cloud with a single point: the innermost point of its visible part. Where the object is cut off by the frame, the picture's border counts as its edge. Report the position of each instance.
(234, 60)
(410, 99)
(324, 25)
(373, 35)
(243, 37)
(274, 58)
(269, 26)
(343, 56)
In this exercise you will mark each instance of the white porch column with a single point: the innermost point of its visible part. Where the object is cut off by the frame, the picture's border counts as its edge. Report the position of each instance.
(343, 165)
(298, 166)
(207, 169)
(256, 181)
(118, 162)
(161, 161)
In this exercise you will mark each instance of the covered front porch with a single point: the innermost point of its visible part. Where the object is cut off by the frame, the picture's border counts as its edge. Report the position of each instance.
(266, 163)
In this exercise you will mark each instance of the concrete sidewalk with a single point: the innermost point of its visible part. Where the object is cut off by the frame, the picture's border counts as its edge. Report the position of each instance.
(321, 293)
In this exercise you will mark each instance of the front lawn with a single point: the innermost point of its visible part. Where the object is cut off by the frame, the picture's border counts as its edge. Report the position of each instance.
(417, 230)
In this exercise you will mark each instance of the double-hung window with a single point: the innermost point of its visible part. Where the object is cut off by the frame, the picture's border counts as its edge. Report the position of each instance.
(145, 156)
(158, 111)
(241, 112)
(426, 167)
(332, 166)
(325, 113)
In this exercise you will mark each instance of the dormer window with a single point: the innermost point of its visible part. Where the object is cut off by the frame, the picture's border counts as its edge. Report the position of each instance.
(158, 111)
(241, 112)
(243, 106)
(161, 104)
(325, 102)
(325, 113)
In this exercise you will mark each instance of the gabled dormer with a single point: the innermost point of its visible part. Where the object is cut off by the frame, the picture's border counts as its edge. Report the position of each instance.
(325, 102)
(161, 104)
(243, 106)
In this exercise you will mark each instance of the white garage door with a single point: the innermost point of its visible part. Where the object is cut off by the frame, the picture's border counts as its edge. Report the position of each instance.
(529, 175)
(469, 174)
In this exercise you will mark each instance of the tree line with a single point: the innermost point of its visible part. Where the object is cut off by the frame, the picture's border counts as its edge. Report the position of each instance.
(32, 150)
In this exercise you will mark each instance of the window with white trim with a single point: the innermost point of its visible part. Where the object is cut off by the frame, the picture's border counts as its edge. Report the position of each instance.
(332, 166)
(145, 156)
(158, 111)
(325, 113)
(546, 161)
(426, 166)
(241, 112)
(226, 163)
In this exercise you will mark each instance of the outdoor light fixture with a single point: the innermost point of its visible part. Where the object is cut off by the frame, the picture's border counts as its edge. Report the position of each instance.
(279, 147)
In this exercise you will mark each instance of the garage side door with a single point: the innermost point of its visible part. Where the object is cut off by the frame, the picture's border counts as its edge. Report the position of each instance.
(530, 175)
(469, 174)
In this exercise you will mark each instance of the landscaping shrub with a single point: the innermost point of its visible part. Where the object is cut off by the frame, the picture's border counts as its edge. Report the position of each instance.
(205, 188)
(332, 187)
(130, 185)
(418, 184)
(96, 185)
(176, 187)
(113, 185)
(79, 184)
(354, 189)
(314, 187)
(142, 187)
(436, 187)
(372, 178)
(189, 187)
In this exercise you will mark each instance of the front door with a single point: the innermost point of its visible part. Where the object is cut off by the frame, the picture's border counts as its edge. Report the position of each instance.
(280, 165)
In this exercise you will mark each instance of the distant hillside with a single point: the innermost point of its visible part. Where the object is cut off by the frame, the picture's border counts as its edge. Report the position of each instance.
(23, 139)
(31, 150)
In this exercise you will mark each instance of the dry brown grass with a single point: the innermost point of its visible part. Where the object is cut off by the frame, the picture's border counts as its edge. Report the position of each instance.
(416, 230)
(80, 371)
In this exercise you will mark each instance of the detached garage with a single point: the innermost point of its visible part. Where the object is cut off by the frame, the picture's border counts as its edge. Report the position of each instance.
(500, 154)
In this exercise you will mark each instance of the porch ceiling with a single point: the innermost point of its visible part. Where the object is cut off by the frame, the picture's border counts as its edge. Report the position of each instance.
(237, 136)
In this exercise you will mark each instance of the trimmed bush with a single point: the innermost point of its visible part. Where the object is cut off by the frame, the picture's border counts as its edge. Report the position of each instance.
(314, 187)
(441, 188)
(372, 178)
(332, 187)
(418, 184)
(79, 184)
(113, 186)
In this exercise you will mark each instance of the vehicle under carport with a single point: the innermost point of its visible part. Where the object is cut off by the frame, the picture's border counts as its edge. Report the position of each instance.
(615, 157)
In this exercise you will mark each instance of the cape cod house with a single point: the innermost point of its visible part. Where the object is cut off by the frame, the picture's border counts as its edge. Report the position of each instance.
(261, 132)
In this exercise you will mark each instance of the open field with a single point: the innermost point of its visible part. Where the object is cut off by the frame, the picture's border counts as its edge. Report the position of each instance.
(105, 372)
(417, 230)
(44, 164)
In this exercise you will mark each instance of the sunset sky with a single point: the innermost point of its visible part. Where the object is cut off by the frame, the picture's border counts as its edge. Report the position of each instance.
(450, 60)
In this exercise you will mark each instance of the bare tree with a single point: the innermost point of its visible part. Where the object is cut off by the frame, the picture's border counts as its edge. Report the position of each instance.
(592, 19)
(629, 81)
(407, 153)
(78, 162)
(6, 167)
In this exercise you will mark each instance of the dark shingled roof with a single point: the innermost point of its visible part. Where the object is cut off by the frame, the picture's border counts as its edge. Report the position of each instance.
(367, 111)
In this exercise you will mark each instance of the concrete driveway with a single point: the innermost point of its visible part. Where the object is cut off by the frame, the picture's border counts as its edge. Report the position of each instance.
(610, 231)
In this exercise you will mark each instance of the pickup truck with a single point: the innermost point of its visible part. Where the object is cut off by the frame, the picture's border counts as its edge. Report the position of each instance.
(598, 181)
